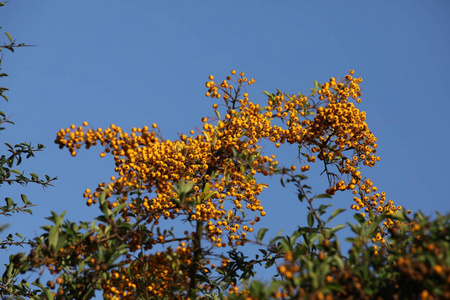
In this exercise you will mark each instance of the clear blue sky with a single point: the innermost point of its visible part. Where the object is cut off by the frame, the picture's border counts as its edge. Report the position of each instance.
(133, 63)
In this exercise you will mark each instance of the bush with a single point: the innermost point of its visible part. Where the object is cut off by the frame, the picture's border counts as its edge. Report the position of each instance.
(209, 180)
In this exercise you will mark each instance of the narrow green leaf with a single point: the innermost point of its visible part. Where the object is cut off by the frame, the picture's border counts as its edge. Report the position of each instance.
(335, 213)
(337, 228)
(398, 215)
(282, 182)
(3, 227)
(104, 204)
(10, 267)
(323, 208)
(16, 172)
(207, 187)
(322, 196)
(53, 237)
(209, 195)
(46, 227)
(81, 266)
(9, 37)
(187, 187)
(118, 208)
(235, 154)
(9, 202)
(314, 238)
(316, 85)
(24, 199)
(261, 233)
(310, 218)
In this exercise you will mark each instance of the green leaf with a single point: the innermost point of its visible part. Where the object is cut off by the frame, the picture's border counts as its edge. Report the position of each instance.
(186, 189)
(175, 201)
(206, 188)
(9, 37)
(9, 202)
(323, 208)
(310, 220)
(267, 93)
(335, 213)
(61, 242)
(316, 85)
(209, 195)
(53, 237)
(3, 227)
(104, 204)
(81, 266)
(217, 114)
(338, 261)
(314, 238)
(16, 172)
(358, 217)
(24, 199)
(235, 154)
(374, 226)
(10, 267)
(261, 233)
(48, 294)
(269, 263)
(101, 254)
(118, 208)
(398, 215)
(322, 196)
(337, 228)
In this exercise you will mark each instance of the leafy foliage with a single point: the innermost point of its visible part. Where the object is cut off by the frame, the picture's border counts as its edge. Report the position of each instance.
(9, 174)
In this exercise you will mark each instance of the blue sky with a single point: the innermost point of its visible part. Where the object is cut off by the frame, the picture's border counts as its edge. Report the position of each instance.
(134, 63)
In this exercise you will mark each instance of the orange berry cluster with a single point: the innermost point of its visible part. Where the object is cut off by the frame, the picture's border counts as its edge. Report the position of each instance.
(214, 161)
(163, 281)
(223, 159)
(326, 124)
